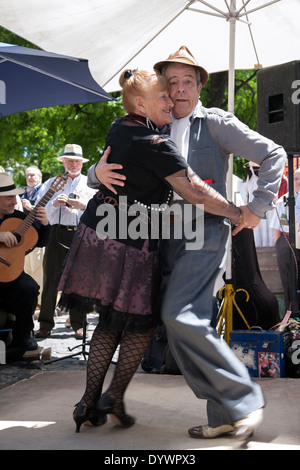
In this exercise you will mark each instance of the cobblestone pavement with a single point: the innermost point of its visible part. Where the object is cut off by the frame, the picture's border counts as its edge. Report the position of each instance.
(62, 341)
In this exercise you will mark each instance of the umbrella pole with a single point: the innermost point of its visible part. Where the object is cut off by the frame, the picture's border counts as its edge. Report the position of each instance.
(226, 309)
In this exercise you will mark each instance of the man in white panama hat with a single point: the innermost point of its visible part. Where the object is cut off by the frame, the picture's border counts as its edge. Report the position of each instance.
(64, 211)
(20, 295)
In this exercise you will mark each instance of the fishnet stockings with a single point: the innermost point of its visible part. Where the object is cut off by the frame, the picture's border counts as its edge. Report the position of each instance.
(104, 343)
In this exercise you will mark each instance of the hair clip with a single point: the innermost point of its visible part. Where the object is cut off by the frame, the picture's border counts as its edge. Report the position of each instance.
(129, 73)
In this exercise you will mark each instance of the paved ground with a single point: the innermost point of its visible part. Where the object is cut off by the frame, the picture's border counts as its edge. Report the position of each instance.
(61, 341)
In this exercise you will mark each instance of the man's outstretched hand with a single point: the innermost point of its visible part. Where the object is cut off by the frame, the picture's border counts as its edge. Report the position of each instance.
(106, 173)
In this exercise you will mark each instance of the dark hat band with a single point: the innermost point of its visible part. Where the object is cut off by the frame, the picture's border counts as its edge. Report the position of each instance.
(7, 188)
(72, 154)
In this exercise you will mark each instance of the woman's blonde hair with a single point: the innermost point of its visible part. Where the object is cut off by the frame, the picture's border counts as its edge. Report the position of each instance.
(137, 83)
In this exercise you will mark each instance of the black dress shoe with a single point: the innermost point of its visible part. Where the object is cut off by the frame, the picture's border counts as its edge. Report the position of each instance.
(115, 408)
(29, 343)
(88, 415)
(25, 343)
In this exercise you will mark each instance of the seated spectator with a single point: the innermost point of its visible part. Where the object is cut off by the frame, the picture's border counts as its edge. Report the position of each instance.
(34, 260)
(18, 296)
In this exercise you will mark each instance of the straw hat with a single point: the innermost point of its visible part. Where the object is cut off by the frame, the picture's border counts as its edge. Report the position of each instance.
(183, 56)
(73, 151)
(7, 186)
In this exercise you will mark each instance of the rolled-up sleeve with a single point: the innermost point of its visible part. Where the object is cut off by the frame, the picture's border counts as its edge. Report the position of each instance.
(237, 138)
(92, 180)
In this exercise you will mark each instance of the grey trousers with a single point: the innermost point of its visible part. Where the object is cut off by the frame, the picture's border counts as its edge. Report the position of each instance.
(208, 365)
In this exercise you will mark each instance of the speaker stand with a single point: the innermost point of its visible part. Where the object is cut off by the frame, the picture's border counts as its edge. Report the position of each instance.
(83, 345)
(291, 206)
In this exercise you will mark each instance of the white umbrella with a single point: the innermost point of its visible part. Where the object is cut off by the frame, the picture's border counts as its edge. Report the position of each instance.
(112, 34)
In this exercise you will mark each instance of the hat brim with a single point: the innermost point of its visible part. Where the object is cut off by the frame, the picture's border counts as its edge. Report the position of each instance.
(13, 192)
(61, 159)
(203, 73)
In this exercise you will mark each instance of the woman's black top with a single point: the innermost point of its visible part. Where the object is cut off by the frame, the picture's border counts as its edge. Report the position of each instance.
(147, 158)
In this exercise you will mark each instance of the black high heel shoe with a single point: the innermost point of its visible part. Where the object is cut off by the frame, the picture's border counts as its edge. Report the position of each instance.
(90, 416)
(107, 405)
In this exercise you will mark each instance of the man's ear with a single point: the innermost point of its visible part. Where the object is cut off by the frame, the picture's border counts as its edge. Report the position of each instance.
(139, 104)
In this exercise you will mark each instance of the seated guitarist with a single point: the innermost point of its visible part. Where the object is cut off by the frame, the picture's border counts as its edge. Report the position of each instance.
(20, 295)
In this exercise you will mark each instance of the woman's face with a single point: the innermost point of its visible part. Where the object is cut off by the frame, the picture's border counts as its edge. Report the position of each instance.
(158, 106)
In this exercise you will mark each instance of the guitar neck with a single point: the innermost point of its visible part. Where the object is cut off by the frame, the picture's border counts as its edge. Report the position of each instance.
(28, 221)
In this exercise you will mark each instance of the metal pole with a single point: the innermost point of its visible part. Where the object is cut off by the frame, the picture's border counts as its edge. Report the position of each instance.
(231, 71)
(231, 86)
(291, 206)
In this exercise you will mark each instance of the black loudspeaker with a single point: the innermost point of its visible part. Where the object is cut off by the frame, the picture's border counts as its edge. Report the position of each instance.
(278, 108)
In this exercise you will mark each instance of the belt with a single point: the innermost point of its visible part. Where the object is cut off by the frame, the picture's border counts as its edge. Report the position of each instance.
(70, 228)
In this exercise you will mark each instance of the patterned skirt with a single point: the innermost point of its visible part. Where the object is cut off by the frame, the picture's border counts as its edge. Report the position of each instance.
(121, 281)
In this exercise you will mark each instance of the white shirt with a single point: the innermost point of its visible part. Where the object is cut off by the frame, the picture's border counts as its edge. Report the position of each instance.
(281, 213)
(61, 214)
(180, 134)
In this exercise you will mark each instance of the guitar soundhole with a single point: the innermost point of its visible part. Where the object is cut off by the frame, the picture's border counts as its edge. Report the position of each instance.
(18, 236)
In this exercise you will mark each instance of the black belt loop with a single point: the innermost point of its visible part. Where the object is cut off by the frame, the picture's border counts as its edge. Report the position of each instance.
(70, 228)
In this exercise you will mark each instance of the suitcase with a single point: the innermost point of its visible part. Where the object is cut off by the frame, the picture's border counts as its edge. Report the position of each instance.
(261, 351)
(159, 358)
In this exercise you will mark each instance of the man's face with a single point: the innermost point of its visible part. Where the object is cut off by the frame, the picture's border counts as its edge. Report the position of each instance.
(183, 88)
(7, 205)
(297, 181)
(32, 178)
(73, 167)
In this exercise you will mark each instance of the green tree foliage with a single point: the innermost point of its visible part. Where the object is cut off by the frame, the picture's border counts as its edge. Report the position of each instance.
(37, 137)
(215, 94)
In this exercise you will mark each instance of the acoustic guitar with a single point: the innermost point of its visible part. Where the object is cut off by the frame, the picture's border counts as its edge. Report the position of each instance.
(12, 259)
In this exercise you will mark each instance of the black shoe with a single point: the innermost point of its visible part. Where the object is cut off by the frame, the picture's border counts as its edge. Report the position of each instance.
(24, 343)
(107, 405)
(29, 343)
(88, 415)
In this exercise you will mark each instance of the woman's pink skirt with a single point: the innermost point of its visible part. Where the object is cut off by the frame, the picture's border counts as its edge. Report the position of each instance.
(122, 281)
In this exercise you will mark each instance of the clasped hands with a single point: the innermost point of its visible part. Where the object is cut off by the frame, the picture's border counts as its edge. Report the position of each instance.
(64, 200)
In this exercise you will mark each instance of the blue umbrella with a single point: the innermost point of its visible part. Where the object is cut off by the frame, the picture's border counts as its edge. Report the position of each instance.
(31, 78)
